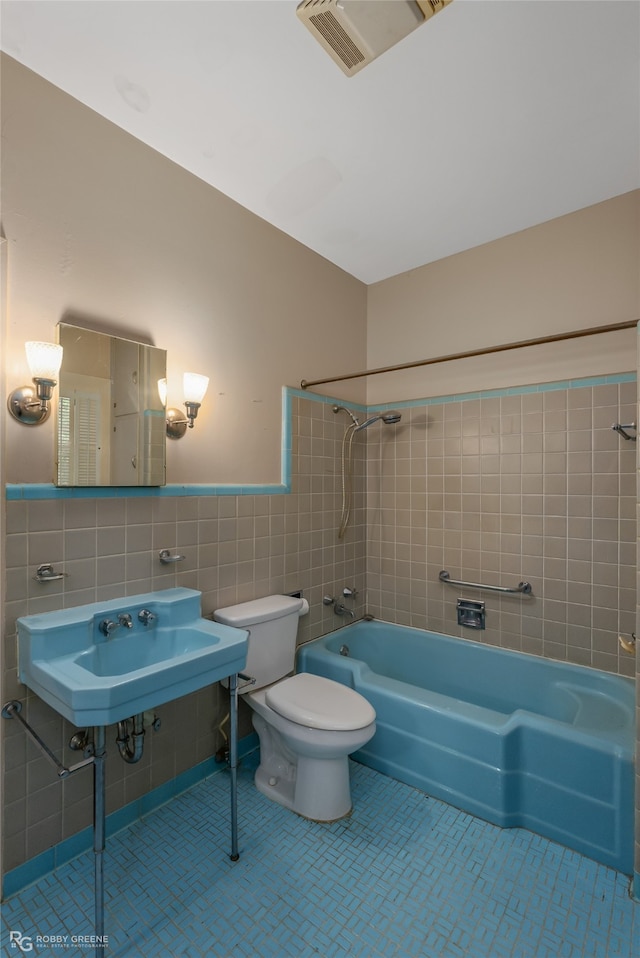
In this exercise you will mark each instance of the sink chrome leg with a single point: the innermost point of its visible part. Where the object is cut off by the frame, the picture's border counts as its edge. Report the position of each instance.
(233, 764)
(99, 834)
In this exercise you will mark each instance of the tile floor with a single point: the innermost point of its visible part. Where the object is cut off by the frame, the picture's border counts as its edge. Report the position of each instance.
(404, 876)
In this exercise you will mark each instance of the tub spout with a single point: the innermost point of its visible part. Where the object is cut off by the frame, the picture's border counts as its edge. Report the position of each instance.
(341, 609)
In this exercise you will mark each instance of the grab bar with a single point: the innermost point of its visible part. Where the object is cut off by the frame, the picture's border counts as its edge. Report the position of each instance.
(523, 588)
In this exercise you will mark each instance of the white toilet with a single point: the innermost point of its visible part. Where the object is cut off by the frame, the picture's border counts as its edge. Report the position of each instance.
(307, 725)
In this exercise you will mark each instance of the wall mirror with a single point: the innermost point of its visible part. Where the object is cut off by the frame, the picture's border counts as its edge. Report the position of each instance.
(110, 423)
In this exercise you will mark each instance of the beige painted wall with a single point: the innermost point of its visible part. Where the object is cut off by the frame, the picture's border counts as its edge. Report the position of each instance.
(574, 272)
(103, 229)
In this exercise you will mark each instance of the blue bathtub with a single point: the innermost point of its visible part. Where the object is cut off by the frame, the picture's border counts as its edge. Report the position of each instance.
(515, 739)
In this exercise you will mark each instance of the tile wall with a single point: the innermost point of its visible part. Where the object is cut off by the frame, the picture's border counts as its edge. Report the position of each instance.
(528, 485)
(531, 486)
(236, 548)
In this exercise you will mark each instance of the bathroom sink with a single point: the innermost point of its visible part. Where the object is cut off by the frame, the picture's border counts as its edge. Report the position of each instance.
(155, 647)
(98, 664)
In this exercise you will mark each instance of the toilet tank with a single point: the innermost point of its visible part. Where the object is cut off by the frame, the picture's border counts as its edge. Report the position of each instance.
(272, 623)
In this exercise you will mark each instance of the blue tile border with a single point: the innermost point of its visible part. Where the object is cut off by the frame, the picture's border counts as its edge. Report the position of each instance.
(327, 400)
(44, 490)
(43, 864)
(588, 382)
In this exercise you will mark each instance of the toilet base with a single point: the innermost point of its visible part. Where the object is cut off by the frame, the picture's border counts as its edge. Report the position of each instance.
(309, 802)
(315, 788)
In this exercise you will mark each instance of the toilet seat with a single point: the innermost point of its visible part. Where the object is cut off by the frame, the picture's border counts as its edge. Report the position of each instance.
(316, 702)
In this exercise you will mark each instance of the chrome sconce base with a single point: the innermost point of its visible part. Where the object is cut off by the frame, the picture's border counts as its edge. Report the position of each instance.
(26, 405)
(177, 424)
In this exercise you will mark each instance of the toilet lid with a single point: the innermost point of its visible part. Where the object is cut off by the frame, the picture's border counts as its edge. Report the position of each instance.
(319, 703)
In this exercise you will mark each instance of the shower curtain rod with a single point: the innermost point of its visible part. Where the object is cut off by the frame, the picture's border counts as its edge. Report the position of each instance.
(541, 341)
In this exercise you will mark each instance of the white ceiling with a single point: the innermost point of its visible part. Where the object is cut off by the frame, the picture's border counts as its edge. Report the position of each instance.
(493, 116)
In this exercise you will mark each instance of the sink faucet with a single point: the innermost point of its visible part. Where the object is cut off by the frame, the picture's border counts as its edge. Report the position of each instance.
(107, 626)
(125, 619)
(146, 616)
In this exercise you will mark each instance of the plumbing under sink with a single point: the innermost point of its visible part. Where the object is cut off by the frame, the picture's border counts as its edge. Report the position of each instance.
(98, 664)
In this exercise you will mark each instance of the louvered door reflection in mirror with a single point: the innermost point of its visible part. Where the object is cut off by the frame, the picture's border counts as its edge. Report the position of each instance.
(111, 422)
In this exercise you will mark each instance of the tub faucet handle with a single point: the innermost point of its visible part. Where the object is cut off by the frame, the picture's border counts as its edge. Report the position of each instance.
(146, 616)
(349, 593)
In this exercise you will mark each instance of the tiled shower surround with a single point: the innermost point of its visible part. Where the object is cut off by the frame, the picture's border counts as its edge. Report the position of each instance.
(531, 487)
(524, 485)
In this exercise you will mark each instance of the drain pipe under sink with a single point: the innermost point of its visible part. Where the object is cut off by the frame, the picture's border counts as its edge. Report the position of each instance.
(131, 743)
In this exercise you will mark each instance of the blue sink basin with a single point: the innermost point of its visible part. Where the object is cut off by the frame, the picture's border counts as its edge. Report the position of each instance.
(125, 655)
(93, 669)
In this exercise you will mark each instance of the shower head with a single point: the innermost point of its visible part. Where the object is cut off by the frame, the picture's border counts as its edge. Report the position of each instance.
(385, 417)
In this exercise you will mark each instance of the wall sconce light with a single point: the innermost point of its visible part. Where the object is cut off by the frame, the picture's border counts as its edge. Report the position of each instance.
(30, 406)
(194, 387)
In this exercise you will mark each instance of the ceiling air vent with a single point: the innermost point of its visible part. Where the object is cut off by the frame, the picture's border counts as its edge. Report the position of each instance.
(355, 32)
(429, 7)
